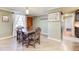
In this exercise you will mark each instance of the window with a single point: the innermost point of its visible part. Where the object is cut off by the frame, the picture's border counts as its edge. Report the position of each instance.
(20, 21)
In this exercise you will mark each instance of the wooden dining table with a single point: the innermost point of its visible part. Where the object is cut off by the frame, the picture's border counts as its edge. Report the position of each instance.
(28, 38)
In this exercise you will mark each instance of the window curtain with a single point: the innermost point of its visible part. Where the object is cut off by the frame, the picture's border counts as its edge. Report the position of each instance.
(18, 20)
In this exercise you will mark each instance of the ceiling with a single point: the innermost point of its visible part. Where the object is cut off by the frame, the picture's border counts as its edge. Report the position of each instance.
(37, 11)
(33, 11)
(68, 9)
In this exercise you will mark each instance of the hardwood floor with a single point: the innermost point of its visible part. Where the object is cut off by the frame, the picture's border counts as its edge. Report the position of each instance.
(46, 45)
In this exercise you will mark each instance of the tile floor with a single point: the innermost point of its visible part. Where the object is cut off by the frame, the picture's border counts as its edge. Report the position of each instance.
(71, 43)
(46, 45)
(68, 44)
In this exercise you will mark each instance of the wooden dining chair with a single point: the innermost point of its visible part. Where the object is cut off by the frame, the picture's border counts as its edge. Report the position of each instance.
(31, 39)
(19, 36)
(37, 35)
(34, 37)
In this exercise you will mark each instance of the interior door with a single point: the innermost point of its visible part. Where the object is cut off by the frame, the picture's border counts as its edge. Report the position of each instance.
(29, 23)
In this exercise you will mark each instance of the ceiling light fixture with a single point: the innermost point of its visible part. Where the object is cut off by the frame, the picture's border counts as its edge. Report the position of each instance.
(27, 11)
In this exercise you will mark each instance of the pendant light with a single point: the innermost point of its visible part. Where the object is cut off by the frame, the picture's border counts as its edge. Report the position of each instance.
(27, 11)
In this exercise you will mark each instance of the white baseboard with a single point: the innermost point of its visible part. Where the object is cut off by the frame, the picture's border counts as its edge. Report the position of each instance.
(64, 47)
(54, 39)
(7, 37)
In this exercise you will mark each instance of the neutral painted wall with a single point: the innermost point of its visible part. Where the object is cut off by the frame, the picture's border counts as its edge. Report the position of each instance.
(5, 27)
(51, 28)
(54, 30)
(41, 21)
(54, 26)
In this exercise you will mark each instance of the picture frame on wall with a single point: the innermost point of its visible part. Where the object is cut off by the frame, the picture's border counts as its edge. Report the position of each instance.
(5, 18)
